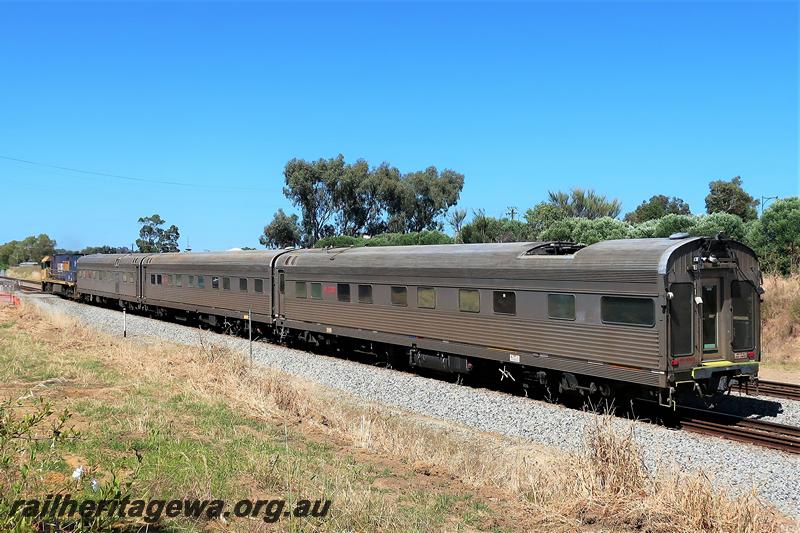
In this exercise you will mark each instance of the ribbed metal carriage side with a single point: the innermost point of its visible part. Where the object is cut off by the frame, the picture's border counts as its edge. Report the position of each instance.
(232, 302)
(110, 284)
(625, 268)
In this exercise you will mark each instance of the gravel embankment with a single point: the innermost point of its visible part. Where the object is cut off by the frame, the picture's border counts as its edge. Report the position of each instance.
(775, 475)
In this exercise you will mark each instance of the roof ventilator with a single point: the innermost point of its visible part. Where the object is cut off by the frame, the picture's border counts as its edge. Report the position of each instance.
(555, 248)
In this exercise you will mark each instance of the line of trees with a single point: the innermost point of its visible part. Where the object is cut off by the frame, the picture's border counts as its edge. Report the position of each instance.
(344, 204)
(32, 248)
(154, 237)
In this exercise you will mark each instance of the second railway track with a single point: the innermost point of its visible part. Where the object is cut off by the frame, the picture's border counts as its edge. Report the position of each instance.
(22, 284)
(790, 391)
(747, 430)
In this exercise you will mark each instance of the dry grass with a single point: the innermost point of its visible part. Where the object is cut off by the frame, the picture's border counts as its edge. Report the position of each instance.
(32, 273)
(780, 315)
(605, 486)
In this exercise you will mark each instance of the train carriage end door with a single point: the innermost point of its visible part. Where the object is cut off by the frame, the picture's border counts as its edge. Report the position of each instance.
(711, 292)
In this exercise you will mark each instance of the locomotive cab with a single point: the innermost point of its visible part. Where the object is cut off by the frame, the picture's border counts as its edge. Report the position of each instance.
(59, 274)
(714, 311)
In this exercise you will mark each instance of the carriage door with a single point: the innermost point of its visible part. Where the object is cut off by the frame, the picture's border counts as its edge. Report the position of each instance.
(281, 292)
(711, 291)
(116, 276)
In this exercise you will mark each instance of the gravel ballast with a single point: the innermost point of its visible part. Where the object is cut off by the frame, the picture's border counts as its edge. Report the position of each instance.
(774, 475)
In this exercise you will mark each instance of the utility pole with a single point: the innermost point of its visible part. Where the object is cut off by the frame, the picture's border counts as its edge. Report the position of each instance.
(512, 212)
(765, 199)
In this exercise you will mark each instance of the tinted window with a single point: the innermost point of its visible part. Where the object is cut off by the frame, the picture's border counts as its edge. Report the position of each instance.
(258, 285)
(158, 279)
(561, 306)
(399, 296)
(201, 282)
(343, 292)
(214, 282)
(469, 300)
(426, 297)
(191, 281)
(316, 291)
(504, 302)
(744, 305)
(300, 290)
(243, 284)
(178, 280)
(681, 316)
(628, 311)
(226, 284)
(282, 283)
(365, 294)
(152, 279)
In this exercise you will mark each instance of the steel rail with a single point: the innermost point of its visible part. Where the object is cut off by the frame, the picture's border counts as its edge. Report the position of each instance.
(24, 284)
(747, 430)
(790, 391)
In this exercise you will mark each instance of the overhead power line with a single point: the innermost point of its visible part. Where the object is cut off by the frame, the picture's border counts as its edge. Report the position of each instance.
(131, 178)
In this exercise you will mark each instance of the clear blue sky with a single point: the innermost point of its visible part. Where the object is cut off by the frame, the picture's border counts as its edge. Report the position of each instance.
(632, 99)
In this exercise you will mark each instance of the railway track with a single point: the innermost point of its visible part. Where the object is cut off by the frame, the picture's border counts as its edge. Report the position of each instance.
(747, 430)
(790, 391)
(22, 284)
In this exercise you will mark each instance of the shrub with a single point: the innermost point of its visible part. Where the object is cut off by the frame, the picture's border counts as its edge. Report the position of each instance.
(730, 225)
(666, 226)
(386, 239)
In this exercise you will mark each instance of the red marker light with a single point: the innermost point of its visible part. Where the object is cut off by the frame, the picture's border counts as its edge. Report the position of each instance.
(751, 355)
(675, 362)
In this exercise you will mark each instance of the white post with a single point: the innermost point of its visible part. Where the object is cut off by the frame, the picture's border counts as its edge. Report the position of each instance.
(250, 333)
(124, 323)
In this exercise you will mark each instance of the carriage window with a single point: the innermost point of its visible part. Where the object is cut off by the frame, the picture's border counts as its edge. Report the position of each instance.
(179, 280)
(259, 285)
(743, 305)
(170, 280)
(426, 297)
(316, 291)
(343, 292)
(214, 282)
(158, 279)
(681, 316)
(281, 283)
(243, 284)
(300, 290)
(201, 282)
(400, 296)
(561, 306)
(627, 311)
(191, 281)
(469, 300)
(365, 294)
(505, 302)
(226, 284)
